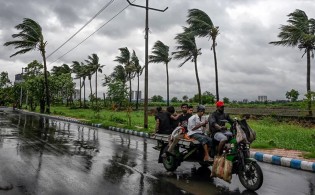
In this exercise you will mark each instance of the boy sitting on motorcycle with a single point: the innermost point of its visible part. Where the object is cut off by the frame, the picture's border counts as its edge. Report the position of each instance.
(195, 131)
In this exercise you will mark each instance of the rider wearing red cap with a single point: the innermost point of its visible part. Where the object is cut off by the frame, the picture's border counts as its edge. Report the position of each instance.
(217, 126)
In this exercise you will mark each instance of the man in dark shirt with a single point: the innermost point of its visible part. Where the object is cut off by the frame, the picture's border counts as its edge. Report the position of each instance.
(217, 126)
(162, 122)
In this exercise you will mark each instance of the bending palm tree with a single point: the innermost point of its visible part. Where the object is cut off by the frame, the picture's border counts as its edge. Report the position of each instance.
(94, 61)
(300, 32)
(125, 59)
(161, 55)
(201, 24)
(138, 70)
(76, 68)
(187, 50)
(84, 72)
(31, 38)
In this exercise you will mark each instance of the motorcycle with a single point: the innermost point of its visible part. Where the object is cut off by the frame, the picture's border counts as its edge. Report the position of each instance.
(247, 169)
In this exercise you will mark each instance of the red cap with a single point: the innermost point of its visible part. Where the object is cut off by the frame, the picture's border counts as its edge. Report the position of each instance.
(220, 103)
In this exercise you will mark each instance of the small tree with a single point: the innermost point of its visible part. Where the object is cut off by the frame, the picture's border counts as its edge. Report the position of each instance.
(226, 100)
(117, 92)
(185, 98)
(157, 98)
(292, 95)
(174, 99)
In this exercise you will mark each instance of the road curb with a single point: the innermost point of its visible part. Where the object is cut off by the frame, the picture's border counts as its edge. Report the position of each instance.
(284, 161)
(259, 156)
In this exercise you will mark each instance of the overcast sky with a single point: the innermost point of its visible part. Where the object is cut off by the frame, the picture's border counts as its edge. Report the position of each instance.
(248, 65)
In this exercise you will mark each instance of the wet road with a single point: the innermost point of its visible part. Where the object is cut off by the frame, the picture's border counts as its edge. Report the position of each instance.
(46, 156)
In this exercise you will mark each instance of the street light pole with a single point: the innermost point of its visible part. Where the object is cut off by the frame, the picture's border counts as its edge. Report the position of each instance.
(146, 72)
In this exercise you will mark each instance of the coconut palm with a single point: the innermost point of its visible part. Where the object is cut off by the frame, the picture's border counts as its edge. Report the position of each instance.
(125, 59)
(201, 24)
(30, 38)
(84, 72)
(138, 71)
(89, 72)
(94, 61)
(300, 32)
(187, 50)
(160, 54)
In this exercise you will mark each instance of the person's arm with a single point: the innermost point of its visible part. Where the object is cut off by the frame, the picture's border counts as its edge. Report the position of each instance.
(193, 126)
(199, 125)
(214, 123)
(175, 116)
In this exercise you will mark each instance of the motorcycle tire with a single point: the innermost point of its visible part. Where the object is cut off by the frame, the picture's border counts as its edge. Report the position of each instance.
(170, 162)
(251, 176)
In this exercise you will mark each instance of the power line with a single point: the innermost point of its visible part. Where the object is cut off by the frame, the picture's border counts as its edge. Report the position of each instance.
(103, 8)
(92, 33)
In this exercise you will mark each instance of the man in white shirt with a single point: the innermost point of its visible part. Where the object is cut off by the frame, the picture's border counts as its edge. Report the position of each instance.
(195, 131)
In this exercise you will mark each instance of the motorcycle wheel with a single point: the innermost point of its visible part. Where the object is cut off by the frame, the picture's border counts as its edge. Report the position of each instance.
(170, 162)
(251, 176)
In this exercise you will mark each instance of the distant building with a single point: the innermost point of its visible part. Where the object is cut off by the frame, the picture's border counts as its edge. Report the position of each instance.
(134, 95)
(245, 101)
(18, 78)
(76, 95)
(262, 98)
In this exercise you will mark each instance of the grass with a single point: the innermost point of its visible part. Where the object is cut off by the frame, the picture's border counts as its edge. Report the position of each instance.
(270, 132)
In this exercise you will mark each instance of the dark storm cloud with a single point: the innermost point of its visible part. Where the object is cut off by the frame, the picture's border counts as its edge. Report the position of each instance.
(248, 65)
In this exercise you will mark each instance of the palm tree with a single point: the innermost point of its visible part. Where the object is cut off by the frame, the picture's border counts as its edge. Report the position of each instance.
(94, 61)
(84, 72)
(187, 50)
(161, 55)
(201, 24)
(89, 71)
(300, 32)
(30, 38)
(138, 70)
(125, 59)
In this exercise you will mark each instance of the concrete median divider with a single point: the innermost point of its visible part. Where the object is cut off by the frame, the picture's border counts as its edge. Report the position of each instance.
(284, 161)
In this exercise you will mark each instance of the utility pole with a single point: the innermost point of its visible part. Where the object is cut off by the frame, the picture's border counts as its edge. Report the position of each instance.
(146, 80)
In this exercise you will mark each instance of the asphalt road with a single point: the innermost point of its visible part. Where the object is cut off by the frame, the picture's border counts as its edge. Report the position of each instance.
(45, 156)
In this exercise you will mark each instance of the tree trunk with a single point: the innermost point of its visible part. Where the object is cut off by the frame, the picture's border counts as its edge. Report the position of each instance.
(46, 79)
(130, 88)
(80, 94)
(308, 83)
(197, 78)
(96, 86)
(90, 79)
(84, 93)
(216, 70)
(137, 104)
(167, 86)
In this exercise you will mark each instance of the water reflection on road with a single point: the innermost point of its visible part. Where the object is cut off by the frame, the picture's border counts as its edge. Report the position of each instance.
(45, 156)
